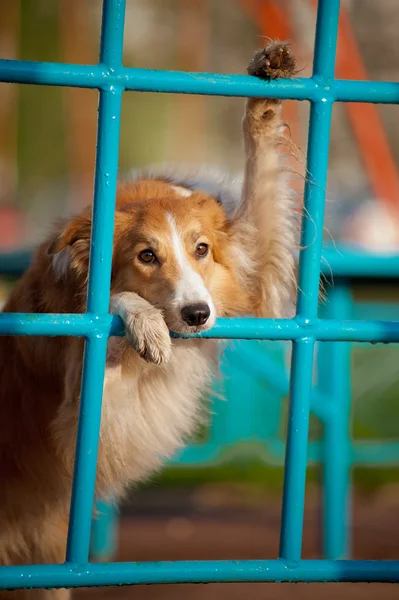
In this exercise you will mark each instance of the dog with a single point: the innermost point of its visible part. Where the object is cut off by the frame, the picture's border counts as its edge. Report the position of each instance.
(189, 246)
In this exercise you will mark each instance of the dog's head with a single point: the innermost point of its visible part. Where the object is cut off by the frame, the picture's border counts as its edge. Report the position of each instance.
(173, 247)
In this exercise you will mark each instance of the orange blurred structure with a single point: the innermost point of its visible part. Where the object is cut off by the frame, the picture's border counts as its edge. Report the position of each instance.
(366, 122)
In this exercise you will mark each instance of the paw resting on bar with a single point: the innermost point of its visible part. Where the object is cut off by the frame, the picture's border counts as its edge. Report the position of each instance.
(146, 330)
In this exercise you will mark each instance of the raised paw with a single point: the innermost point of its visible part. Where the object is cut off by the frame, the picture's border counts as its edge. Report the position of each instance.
(273, 61)
(145, 328)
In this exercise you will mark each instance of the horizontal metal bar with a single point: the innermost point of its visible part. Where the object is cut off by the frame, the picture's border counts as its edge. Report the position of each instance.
(325, 330)
(47, 73)
(349, 261)
(217, 84)
(76, 325)
(363, 311)
(149, 80)
(340, 260)
(375, 453)
(330, 330)
(102, 574)
(15, 263)
(376, 92)
(364, 453)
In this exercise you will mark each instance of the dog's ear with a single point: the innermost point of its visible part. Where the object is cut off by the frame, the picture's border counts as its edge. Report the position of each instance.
(77, 230)
(71, 248)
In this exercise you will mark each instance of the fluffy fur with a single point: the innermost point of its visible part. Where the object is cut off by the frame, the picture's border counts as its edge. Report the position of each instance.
(222, 248)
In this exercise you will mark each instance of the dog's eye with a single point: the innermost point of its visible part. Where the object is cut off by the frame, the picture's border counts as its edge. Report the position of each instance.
(147, 256)
(202, 250)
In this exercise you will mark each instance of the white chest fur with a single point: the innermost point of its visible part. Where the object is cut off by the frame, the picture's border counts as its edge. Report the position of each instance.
(149, 411)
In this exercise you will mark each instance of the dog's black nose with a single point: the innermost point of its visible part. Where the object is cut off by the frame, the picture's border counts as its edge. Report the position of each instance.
(196, 314)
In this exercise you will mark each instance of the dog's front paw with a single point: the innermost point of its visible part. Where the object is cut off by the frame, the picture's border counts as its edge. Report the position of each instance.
(149, 335)
(145, 328)
(273, 61)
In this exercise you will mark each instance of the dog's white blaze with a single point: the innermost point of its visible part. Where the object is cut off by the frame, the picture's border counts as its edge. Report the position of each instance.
(185, 192)
(190, 288)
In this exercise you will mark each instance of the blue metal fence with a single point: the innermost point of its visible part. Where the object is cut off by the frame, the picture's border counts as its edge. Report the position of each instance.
(112, 79)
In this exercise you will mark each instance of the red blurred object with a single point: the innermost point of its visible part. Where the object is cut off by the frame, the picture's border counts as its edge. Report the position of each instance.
(11, 227)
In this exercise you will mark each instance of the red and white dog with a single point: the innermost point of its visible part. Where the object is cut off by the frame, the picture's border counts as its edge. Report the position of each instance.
(188, 248)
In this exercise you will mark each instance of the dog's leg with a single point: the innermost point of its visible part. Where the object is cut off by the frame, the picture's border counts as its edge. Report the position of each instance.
(265, 203)
(46, 546)
(146, 330)
(147, 335)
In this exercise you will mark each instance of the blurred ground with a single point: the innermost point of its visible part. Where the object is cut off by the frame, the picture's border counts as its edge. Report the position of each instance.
(214, 532)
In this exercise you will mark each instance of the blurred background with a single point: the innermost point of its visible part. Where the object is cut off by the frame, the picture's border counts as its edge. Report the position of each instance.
(47, 153)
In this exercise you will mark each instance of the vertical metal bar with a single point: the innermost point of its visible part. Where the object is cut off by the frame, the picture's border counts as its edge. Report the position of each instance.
(335, 380)
(296, 450)
(86, 451)
(98, 289)
(317, 161)
(112, 29)
(312, 227)
(95, 349)
(326, 38)
(308, 280)
(104, 200)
